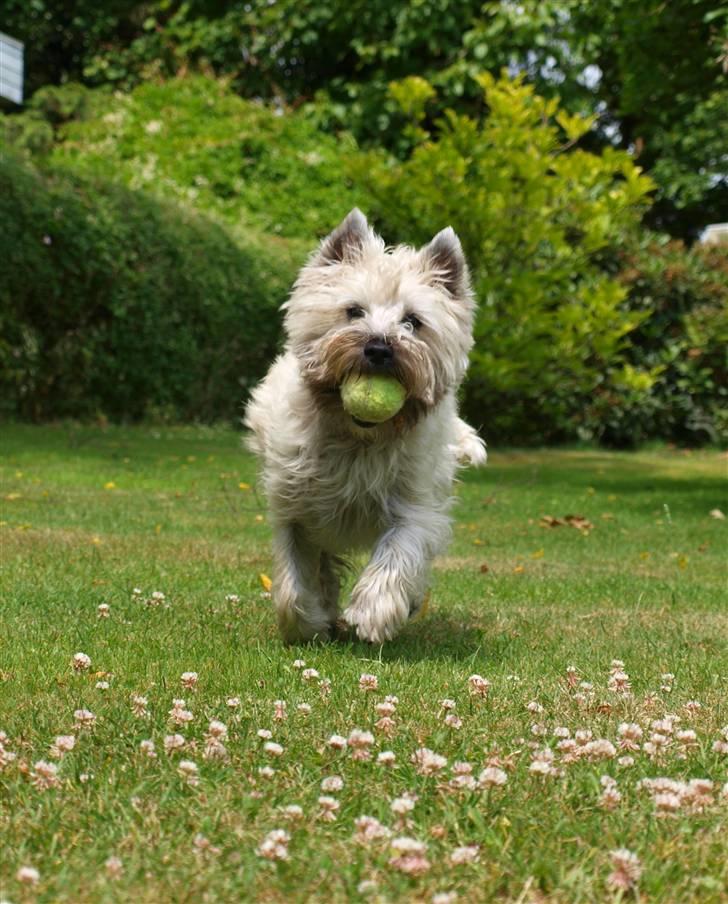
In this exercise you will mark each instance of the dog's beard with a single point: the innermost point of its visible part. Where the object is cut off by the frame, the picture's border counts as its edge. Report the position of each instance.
(338, 355)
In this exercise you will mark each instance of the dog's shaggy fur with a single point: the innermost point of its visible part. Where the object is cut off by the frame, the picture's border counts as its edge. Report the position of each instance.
(335, 484)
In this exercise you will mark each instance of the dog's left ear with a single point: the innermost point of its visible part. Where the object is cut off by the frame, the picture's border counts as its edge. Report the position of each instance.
(345, 241)
(443, 258)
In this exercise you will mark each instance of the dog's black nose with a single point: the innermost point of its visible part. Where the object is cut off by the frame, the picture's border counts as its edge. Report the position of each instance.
(378, 353)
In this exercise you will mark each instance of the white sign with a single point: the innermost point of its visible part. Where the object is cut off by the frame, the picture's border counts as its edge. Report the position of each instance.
(11, 69)
(715, 234)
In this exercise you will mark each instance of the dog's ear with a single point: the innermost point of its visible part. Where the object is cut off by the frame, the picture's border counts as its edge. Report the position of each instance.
(345, 241)
(443, 258)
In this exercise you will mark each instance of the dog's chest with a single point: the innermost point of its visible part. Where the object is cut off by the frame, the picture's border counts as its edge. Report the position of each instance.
(348, 496)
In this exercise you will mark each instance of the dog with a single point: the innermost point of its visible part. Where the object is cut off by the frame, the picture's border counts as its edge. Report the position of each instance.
(336, 484)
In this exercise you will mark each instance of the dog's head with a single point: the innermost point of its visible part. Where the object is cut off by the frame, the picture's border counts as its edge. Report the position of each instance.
(358, 307)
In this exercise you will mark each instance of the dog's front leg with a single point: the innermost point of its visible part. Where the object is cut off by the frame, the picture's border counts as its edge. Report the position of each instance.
(303, 614)
(395, 580)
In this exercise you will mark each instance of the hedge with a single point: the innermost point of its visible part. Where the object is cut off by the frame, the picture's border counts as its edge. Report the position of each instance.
(116, 303)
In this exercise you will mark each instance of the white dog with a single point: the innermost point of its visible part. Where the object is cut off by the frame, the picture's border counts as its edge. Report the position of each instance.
(336, 484)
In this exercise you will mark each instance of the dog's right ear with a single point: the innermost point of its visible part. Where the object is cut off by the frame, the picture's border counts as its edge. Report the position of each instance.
(345, 241)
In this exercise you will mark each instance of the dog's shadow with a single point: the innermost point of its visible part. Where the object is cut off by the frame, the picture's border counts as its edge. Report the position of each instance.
(440, 637)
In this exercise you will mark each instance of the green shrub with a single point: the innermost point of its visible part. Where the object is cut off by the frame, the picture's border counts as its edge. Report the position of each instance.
(114, 303)
(679, 348)
(192, 139)
(533, 216)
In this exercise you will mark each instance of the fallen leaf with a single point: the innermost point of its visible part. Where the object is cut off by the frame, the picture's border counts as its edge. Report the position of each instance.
(266, 582)
(244, 486)
(484, 569)
(579, 522)
(716, 513)
(550, 521)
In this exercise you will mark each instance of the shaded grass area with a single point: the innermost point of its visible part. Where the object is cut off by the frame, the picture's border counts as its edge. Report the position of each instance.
(88, 515)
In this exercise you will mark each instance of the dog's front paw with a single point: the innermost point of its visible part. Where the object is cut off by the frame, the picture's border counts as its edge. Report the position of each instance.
(468, 447)
(376, 620)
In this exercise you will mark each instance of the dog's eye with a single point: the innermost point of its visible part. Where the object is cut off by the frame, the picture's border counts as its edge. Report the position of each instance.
(354, 312)
(413, 321)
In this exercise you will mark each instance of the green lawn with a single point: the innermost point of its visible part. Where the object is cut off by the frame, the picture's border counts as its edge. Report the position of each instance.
(87, 515)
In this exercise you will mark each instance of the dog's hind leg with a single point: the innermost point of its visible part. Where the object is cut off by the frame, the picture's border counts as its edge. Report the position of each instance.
(303, 611)
(330, 577)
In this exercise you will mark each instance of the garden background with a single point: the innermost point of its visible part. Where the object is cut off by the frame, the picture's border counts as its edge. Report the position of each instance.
(175, 162)
(554, 729)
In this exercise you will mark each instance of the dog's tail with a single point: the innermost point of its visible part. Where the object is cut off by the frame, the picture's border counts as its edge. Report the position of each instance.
(468, 448)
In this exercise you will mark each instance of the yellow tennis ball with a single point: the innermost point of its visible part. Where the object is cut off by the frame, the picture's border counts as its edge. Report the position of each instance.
(374, 398)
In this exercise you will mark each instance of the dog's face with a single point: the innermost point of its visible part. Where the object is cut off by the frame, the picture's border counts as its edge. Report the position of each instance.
(359, 308)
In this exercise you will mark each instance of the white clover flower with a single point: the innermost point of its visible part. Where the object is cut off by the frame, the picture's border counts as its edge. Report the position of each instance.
(478, 686)
(627, 870)
(329, 806)
(292, 812)
(45, 776)
(368, 682)
(28, 875)
(467, 854)
(114, 867)
(217, 729)
(62, 745)
(492, 777)
(84, 718)
(188, 771)
(173, 742)
(427, 761)
(275, 845)
(81, 662)
(332, 783)
(402, 805)
(369, 829)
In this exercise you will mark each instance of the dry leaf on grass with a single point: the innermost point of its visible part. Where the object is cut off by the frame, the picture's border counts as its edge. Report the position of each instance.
(578, 521)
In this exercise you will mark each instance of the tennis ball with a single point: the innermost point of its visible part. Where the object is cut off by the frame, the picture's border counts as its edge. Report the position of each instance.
(373, 397)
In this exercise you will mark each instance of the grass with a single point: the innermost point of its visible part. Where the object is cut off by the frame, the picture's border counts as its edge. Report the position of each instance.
(90, 514)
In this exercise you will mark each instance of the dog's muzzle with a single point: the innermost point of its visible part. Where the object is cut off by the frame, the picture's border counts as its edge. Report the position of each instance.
(378, 356)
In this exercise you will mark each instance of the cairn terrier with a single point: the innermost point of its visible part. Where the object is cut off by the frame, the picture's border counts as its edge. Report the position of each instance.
(336, 484)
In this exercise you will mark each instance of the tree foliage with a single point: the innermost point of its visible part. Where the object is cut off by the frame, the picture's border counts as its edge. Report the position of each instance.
(653, 73)
(532, 218)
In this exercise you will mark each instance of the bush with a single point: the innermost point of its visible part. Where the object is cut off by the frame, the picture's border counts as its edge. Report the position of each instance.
(191, 139)
(675, 381)
(114, 303)
(533, 216)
